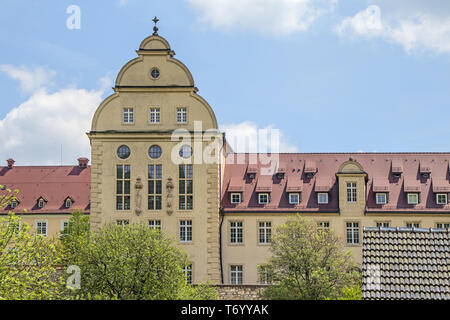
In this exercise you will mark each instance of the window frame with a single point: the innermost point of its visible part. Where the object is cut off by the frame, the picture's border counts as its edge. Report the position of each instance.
(186, 229)
(36, 226)
(294, 194)
(123, 182)
(128, 116)
(379, 194)
(232, 194)
(352, 192)
(186, 180)
(352, 230)
(263, 194)
(238, 272)
(236, 232)
(322, 194)
(182, 115)
(264, 232)
(442, 194)
(155, 180)
(156, 224)
(155, 112)
(412, 194)
(188, 273)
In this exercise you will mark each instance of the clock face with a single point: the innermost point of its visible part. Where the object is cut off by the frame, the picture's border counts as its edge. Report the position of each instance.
(154, 73)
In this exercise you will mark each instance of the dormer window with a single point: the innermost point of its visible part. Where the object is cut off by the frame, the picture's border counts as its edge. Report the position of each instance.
(294, 198)
(381, 198)
(310, 169)
(235, 197)
(412, 198)
(14, 204)
(68, 203)
(251, 172)
(263, 198)
(441, 198)
(41, 202)
(425, 170)
(322, 198)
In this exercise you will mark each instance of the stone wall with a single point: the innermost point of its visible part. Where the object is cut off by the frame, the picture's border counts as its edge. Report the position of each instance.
(240, 292)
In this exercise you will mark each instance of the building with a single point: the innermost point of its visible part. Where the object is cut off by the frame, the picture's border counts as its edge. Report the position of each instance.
(406, 263)
(157, 157)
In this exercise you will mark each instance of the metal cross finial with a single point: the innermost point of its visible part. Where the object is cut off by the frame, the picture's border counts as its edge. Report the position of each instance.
(155, 28)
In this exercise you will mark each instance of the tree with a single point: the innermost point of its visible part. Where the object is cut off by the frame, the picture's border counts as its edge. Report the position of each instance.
(28, 263)
(308, 263)
(128, 262)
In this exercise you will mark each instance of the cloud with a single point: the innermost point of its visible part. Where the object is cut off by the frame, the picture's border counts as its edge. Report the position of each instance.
(414, 30)
(265, 16)
(33, 132)
(247, 137)
(30, 79)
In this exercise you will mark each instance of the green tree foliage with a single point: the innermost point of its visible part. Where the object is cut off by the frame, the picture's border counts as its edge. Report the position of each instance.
(128, 262)
(28, 263)
(308, 263)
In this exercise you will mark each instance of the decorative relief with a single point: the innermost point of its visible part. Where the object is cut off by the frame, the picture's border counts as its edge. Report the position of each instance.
(138, 186)
(169, 199)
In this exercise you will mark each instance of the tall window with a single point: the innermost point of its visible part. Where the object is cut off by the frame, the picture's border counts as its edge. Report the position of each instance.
(236, 275)
(64, 227)
(154, 186)
(265, 232)
(185, 187)
(236, 232)
(41, 228)
(186, 230)
(181, 115)
(352, 229)
(128, 115)
(123, 187)
(155, 116)
(155, 224)
(351, 191)
(188, 273)
(264, 277)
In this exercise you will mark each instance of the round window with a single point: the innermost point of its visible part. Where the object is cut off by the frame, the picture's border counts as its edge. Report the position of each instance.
(154, 73)
(185, 151)
(155, 152)
(123, 152)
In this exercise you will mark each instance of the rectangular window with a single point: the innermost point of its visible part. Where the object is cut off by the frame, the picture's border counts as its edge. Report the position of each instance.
(155, 115)
(381, 198)
(263, 198)
(155, 224)
(413, 198)
(322, 198)
(441, 198)
(181, 115)
(264, 277)
(235, 198)
(128, 115)
(236, 232)
(265, 232)
(351, 191)
(352, 230)
(123, 182)
(236, 275)
(294, 198)
(186, 230)
(64, 226)
(443, 225)
(413, 225)
(188, 273)
(324, 225)
(154, 187)
(185, 187)
(123, 222)
(41, 228)
(383, 224)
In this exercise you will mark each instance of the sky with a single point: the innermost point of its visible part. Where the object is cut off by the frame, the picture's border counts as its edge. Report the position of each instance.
(329, 75)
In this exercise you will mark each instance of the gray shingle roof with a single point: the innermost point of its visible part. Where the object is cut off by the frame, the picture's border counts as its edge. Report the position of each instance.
(406, 263)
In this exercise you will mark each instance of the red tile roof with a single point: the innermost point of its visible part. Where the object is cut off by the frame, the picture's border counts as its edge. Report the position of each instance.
(53, 183)
(378, 166)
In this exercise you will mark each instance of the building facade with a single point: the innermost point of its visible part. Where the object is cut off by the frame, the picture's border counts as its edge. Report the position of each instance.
(158, 158)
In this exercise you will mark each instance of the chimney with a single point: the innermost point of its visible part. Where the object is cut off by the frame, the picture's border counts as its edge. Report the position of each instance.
(10, 163)
(83, 162)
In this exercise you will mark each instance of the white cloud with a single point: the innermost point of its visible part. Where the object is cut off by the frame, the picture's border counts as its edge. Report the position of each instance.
(414, 30)
(265, 16)
(33, 132)
(247, 137)
(30, 79)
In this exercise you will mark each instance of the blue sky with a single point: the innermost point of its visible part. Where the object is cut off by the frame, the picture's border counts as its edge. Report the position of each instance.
(332, 76)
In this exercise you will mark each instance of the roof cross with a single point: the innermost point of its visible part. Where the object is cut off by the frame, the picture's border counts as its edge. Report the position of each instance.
(155, 28)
